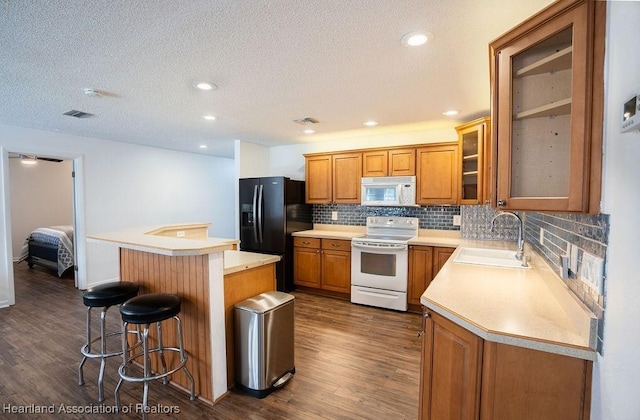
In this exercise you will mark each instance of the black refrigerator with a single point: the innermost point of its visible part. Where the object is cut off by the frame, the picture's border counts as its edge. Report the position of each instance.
(271, 209)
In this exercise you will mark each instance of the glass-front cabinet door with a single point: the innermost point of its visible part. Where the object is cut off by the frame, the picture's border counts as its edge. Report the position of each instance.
(474, 161)
(543, 113)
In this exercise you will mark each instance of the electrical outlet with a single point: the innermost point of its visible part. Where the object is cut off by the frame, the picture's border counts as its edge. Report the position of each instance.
(181, 234)
(573, 263)
(457, 220)
(334, 215)
(592, 271)
(541, 236)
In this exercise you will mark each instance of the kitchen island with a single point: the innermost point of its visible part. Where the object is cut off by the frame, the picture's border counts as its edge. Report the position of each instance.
(183, 260)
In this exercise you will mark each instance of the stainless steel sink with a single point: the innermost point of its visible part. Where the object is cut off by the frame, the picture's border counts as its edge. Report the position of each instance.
(488, 256)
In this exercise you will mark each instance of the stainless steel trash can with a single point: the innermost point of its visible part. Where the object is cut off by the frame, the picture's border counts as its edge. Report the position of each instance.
(264, 327)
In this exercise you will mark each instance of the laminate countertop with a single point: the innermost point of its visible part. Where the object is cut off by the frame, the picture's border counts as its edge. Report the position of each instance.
(236, 261)
(156, 239)
(529, 308)
(426, 237)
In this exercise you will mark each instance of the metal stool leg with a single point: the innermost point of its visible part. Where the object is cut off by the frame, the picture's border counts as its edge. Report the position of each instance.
(88, 343)
(123, 367)
(165, 381)
(183, 357)
(147, 369)
(103, 350)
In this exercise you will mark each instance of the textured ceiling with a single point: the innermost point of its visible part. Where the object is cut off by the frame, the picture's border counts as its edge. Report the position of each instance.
(339, 61)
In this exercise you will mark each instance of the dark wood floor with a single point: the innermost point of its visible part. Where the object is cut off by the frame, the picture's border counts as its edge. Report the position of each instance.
(352, 362)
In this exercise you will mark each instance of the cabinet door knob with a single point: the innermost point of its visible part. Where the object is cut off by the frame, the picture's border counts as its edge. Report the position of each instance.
(420, 333)
(427, 314)
(501, 203)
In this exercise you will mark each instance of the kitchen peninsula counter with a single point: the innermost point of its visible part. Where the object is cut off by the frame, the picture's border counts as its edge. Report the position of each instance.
(181, 259)
(529, 308)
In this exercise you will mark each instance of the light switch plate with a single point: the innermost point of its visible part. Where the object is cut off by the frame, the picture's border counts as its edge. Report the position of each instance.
(592, 272)
(457, 220)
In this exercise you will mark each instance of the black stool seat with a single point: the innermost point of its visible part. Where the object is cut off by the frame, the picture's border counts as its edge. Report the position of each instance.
(149, 308)
(110, 294)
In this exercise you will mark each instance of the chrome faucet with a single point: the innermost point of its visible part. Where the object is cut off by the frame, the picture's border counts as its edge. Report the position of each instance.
(520, 254)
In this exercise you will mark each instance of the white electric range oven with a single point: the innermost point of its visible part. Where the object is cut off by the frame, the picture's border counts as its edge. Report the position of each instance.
(380, 262)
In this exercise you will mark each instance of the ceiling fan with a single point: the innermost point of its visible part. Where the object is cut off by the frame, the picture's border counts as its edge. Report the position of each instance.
(32, 159)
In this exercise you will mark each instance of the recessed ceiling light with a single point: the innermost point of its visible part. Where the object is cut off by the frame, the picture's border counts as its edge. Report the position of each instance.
(209, 117)
(416, 39)
(206, 86)
(204, 146)
(309, 131)
(370, 123)
(450, 112)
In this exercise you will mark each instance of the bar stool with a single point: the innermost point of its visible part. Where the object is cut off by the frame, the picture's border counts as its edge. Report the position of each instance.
(103, 296)
(145, 310)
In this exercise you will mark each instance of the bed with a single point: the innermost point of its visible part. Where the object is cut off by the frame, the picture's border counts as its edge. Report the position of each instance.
(51, 247)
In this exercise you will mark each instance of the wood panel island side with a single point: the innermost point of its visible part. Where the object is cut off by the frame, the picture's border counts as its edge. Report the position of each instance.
(183, 260)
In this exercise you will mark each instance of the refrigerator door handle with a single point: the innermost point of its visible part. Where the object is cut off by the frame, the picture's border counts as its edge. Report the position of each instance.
(255, 218)
(260, 203)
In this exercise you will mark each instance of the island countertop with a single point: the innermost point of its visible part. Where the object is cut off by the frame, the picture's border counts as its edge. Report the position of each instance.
(171, 240)
(235, 261)
(528, 308)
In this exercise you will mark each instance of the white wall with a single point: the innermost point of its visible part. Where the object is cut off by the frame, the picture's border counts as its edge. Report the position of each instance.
(128, 185)
(41, 195)
(617, 373)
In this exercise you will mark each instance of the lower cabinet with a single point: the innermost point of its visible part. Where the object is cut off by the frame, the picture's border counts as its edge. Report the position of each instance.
(322, 265)
(465, 377)
(424, 264)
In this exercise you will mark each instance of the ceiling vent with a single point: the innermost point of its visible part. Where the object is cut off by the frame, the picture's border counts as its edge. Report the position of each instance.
(306, 121)
(78, 114)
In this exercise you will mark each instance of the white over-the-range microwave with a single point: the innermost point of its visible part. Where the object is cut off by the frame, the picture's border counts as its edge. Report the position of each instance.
(388, 191)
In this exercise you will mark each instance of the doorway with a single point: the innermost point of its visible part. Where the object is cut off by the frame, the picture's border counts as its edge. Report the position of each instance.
(7, 286)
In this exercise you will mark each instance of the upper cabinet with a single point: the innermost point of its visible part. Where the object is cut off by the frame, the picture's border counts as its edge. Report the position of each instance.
(474, 171)
(333, 178)
(347, 172)
(437, 174)
(393, 162)
(318, 174)
(547, 96)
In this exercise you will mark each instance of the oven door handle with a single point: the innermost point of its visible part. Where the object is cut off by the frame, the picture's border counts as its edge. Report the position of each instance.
(391, 247)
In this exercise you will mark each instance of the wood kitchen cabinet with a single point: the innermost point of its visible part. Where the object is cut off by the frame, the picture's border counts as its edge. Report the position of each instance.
(440, 257)
(319, 179)
(547, 90)
(322, 265)
(420, 274)
(347, 172)
(437, 174)
(451, 371)
(333, 178)
(474, 164)
(306, 262)
(466, 377)
(336, 265)
(424, 264)
(391, 162)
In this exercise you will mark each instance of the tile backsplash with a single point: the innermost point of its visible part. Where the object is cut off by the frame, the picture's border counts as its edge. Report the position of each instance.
(476, 224)
(588, 233)
(431, 217)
